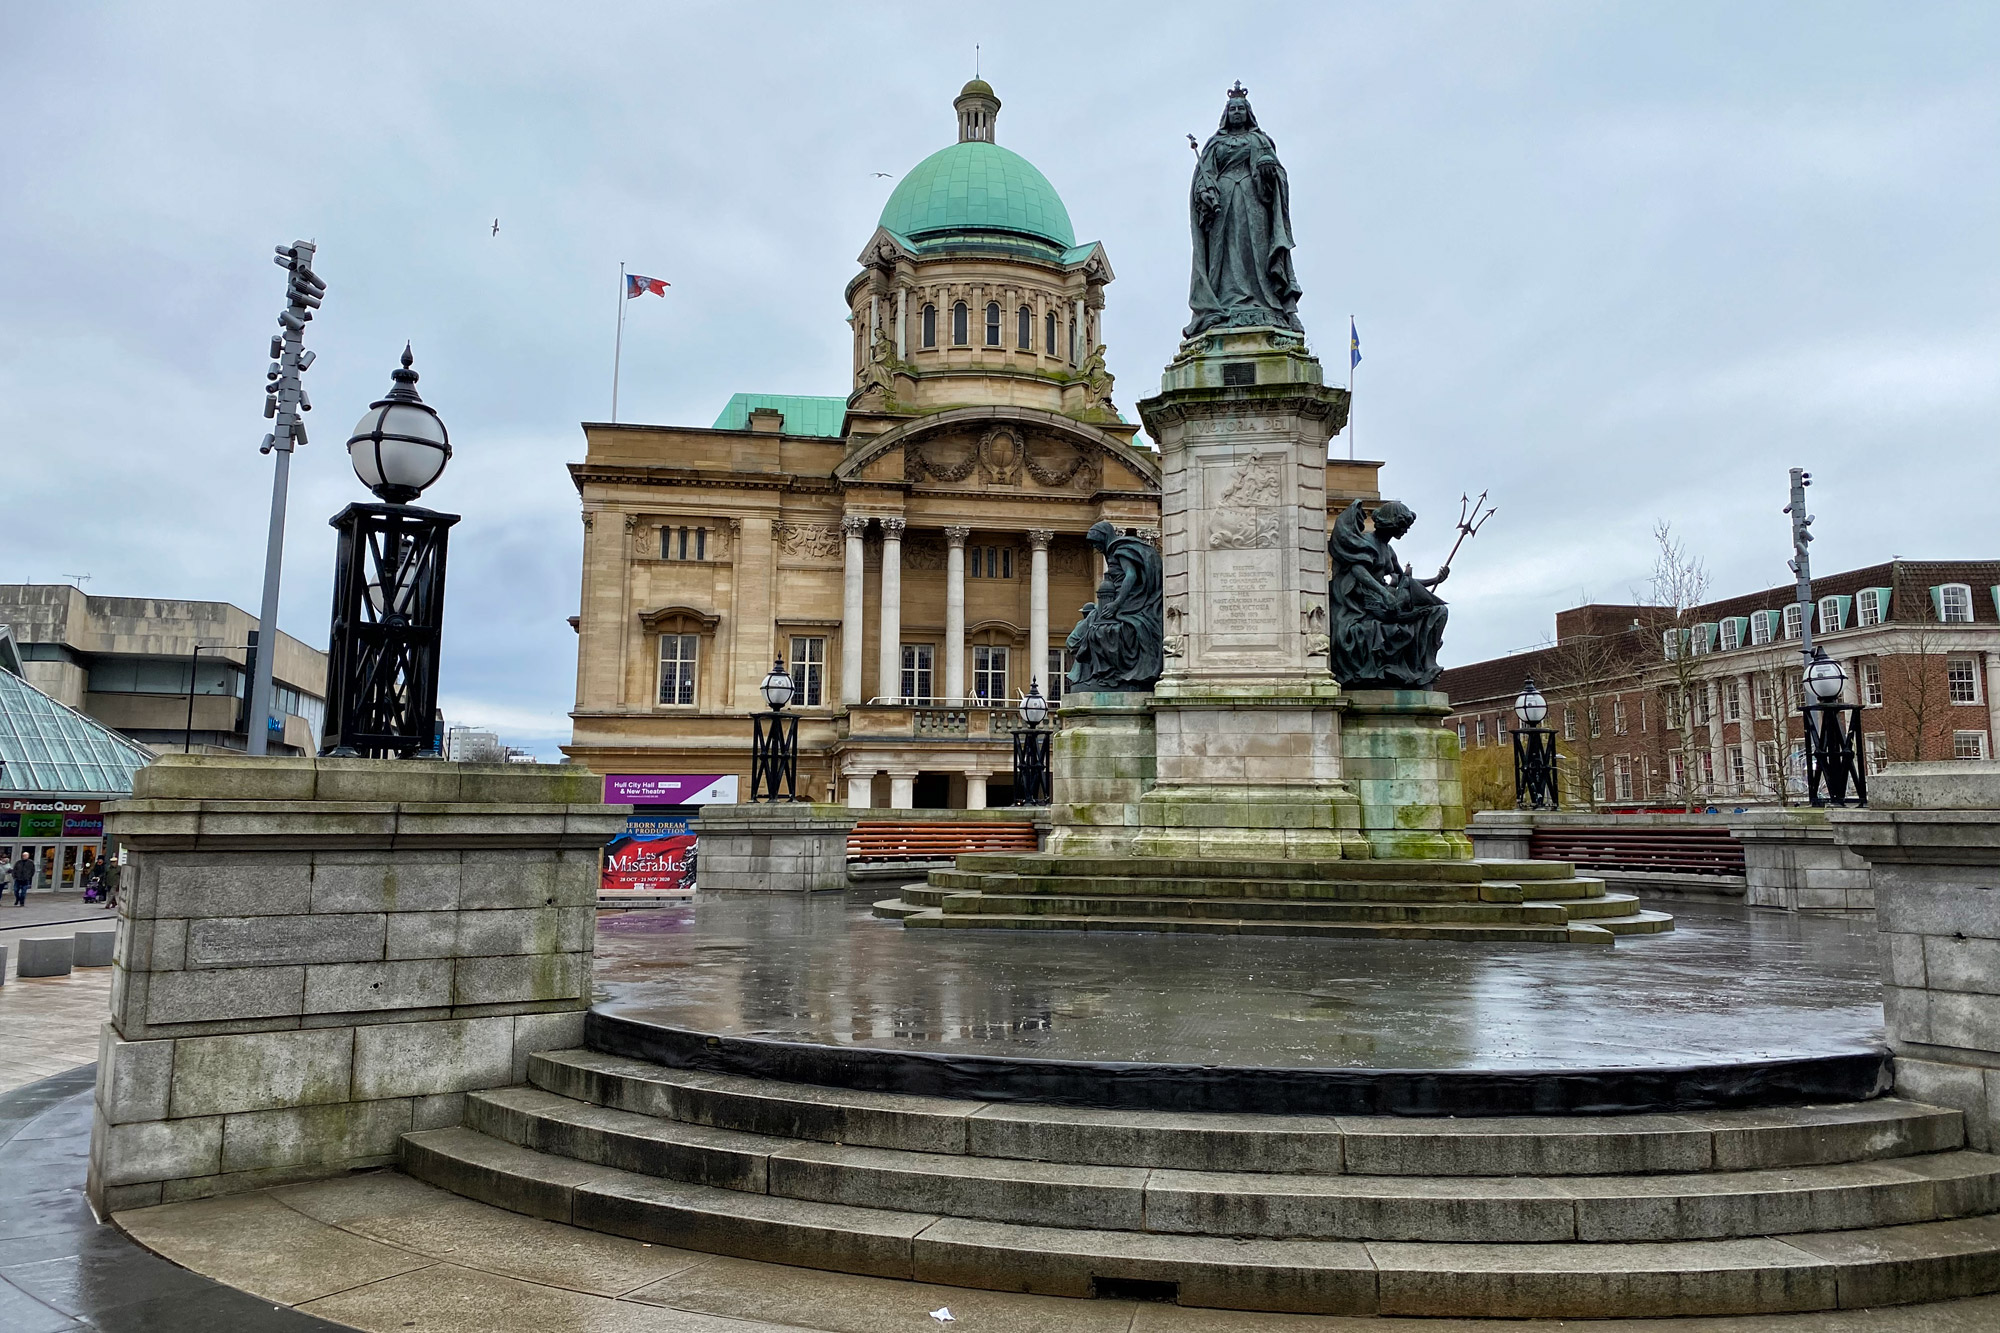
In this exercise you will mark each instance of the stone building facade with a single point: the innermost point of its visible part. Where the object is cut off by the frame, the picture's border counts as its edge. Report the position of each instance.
(913, 550)
(1656, 708)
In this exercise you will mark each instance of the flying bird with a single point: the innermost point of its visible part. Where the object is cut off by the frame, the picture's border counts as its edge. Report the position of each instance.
(1193, 147)
(885, 175)
(496, 226)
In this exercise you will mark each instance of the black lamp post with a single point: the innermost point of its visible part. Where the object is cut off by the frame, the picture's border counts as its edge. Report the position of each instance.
(388, 583)
(1833, 737)
(1535, 785)
(1031, 749)
(774, 744)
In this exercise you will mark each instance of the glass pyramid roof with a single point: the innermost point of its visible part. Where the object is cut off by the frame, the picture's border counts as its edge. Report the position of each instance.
(45, 747)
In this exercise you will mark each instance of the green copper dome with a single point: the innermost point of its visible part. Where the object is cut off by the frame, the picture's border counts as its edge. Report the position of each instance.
(977, 187)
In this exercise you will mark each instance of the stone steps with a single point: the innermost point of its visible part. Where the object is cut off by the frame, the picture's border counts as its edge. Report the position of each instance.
(1590, 908)
(1054, 904)
(1790, 1271)
(1239, 888)
(1244, 1204)
(1638, 923)
(1445, 872)
(1458, 932)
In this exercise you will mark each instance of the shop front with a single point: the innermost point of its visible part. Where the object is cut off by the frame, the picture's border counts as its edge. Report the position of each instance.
(63, 837)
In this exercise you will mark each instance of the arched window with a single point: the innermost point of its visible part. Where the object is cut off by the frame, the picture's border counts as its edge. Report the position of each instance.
(930, 326)
(1050, 333)
(1025, 335)
(959, 336)
(992, 323)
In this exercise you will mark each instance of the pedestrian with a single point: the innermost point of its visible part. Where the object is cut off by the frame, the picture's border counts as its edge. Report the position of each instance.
(93, 883)
(109, 868)
(24, 875)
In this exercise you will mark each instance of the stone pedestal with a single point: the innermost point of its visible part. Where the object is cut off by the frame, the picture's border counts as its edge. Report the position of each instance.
(1932, 844)
(316, 956)
(1247, 718)
(1102, 762)
(1402, 763)
(779, 847)
(1792, 861)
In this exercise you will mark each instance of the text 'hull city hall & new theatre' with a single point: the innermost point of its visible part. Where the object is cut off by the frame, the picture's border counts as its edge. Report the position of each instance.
(913, 551)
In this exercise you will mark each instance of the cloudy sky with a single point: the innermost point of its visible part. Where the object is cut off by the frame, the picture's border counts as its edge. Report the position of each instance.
(1615, 263)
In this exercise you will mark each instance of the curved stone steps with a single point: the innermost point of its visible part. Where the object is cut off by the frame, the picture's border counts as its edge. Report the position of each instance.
(1301, 910)
(1459, 932)
(1233, 888)
(1241, 1204)
(1588, 908)
(1789, 1272)
(1690, 1142)
(1426, 872)
(1638, 923)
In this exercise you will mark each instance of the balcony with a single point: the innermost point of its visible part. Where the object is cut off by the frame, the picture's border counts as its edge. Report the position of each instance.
(961, 721)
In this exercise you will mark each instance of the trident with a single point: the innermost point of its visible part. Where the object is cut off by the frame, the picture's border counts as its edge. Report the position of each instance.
(1470, 521)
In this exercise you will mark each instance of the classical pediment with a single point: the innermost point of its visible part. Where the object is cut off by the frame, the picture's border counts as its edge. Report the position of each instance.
(1009, 448)
(679, 620)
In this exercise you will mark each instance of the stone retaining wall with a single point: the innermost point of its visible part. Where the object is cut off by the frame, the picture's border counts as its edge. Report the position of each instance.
(318, 955)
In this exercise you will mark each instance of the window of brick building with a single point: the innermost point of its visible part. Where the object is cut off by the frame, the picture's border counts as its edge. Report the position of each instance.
(1480, 731)
(1596, 727)
(1621, 777)
(1461, 735)
(1698, 702)
(1876, 746)
(1732, 634)
(1767, 697)
(1795, 619)
(1953, 602)
(1871, 684)
(809, 670)
(1671, 709)
(1968, 745)
(1732, 702)
(1618, 716)
(678, 653)
(1739, 773)
(1670, 644)
(1597, 780)
(1871, 606)
(1760, 627)
(1767, 764)
(1962, 678)
(1677, 766)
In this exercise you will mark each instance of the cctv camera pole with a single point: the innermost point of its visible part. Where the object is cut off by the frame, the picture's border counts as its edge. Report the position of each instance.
(286, 400)
(1802, 560)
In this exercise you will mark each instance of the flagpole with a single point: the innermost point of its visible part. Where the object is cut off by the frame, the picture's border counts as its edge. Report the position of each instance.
(1350, 389)
(618, 347)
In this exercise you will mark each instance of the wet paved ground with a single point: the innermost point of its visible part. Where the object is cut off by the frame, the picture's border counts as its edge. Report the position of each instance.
(1727, 984)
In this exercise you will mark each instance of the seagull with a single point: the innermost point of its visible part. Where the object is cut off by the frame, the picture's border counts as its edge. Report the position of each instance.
(885, 175)
(496, 226)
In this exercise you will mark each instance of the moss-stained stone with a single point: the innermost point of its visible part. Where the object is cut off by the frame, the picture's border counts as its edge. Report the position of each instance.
(1403, 764)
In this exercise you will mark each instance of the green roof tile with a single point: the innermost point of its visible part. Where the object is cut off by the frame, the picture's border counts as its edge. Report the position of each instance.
(974, 187)
(804, 414)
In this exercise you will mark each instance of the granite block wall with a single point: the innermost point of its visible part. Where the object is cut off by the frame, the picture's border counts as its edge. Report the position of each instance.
(317, 956)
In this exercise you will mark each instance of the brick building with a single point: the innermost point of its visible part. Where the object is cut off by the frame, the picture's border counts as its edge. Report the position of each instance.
(1654, 706)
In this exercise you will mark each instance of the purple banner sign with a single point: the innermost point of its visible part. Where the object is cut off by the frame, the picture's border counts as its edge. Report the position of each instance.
(670, 789)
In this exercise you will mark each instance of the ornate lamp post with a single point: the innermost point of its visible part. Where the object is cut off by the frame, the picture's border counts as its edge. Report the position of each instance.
(1031, 749)
(1833, 737)
(774, 744)
(388, 583)
(1535, 785)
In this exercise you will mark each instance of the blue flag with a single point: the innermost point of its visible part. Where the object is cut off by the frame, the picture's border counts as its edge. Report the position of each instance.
(1353, 344)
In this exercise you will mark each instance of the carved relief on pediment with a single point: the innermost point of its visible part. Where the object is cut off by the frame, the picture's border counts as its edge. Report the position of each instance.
(923, 553)
(1000, 456)
(943, 457)
(1055, 462)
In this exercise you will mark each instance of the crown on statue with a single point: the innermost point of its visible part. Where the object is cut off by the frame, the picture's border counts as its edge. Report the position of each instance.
(1239, 91)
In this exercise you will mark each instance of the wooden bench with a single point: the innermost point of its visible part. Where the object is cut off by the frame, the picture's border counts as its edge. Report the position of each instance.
(1684, 851)
(885, 840)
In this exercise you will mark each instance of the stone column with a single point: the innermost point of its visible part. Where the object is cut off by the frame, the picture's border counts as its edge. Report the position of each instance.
(902, 323)
(1717, 751)
(889, 680)
(851, 611)
(902, 789)
(954, 612)
(317, 956)
(1752, 781)
(860, 790)
(1078, 354)
(975, 791)
(1038, 605)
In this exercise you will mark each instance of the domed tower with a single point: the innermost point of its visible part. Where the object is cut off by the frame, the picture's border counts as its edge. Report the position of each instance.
(974, 289)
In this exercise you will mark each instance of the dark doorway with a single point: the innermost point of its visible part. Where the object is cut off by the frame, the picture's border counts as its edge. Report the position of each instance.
(932, 791)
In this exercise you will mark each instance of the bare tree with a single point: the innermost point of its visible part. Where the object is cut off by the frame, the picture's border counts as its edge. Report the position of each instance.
(1673, 599)
(1583, 676)
(1915, 706)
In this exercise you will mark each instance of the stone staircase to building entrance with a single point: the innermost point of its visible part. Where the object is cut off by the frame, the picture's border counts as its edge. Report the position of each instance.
(1469, 901)
(1690, 1213)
